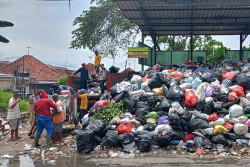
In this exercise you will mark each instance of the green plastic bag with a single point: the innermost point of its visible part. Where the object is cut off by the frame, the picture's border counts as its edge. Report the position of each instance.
(152, 115)
(247, 115)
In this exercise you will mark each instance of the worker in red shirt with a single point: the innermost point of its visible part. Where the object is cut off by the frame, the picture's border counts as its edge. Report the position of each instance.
(43, 118)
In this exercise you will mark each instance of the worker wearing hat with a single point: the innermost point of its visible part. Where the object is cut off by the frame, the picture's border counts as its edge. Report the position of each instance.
(97, 61)
(14, 114)
(84, 104)
(84, 75)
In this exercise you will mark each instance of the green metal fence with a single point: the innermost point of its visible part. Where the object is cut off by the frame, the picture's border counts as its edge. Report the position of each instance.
(171, 57)
(235, 54)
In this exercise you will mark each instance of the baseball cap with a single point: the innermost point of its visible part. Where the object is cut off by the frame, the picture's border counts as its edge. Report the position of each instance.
(82, 90)
(83, 64)
(16, 92)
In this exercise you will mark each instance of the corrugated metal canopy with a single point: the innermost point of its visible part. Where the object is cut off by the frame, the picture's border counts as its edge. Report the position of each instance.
(187, 17)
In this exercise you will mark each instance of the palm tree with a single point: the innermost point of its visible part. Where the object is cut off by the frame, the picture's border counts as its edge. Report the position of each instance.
(5, 24)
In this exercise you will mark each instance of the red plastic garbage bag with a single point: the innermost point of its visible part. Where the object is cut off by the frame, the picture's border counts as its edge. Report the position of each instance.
(100, 103)
(232, 96)
(239, 90)
(156, 67)
(213, 117)
(190, 98)
(224, 72)
(190, 63)
(124, 128)
(228, 75)
(144, 79)
(171, 70)
(199, 151)
(189, 136)
(228, 125)
(175, 74)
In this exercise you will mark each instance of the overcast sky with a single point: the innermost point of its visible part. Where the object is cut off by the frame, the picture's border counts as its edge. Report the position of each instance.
(46, 27)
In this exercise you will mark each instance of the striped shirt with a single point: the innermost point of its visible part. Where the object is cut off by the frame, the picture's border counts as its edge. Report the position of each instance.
(13, 113)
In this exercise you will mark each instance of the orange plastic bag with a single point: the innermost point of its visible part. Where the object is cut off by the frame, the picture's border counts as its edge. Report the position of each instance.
(144, 79)
(239, 90)
(232, 96)
(199, 151)
(228, 75)
(171, 70)
(175, 74)
(190, 98)
(224, 72)
(124, 128)
(213, 117)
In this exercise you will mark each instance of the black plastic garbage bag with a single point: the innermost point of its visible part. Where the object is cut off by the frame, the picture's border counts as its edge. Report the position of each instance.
(92, 111)
(175, 93)
(208, 107)
(85, 141)
(97, 126)
(110, 138)
(134, 87)
(229, 104)
(190, 146)
(156, 80)
(126, 138)
(218, 105)
(207, 144)
(197, 123)
(177, 134)
(113, 91)
(142, 120)
(232, 136)
(130, 105)
(172, 81)
(164, 105)
(198, 141)
(161, 113)
(223, 111)
(219, 96)
(219, 139)
(146, 89)
(186, 116)
(106, 96)
(149, 127)
(247, 109)
(141, 104)
(242, 80)
(174, 118)
(114, 69)
(143, 142)
(200, 105)
(122, 96)
(164, 141)
(140, 112)
(150, 98)
(98, 140)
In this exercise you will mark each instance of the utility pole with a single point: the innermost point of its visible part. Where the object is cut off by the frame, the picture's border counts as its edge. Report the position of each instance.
(65, 63)
(29, 50)
(90, 58)
(23, 76)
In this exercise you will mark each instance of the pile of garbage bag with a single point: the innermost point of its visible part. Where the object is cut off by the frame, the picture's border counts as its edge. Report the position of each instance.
(190, 105)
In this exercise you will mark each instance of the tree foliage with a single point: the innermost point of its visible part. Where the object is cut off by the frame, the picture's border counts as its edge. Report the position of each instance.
(246, 48)
(63, 80)
(104, 28)
(5, 24)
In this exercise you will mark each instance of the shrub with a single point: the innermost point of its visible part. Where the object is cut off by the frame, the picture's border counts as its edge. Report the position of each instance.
(4, 100)
(63, 80)
(24, 106)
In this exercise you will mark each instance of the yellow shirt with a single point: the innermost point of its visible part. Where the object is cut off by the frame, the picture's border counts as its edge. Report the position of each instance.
(98, 60)
(84, 101)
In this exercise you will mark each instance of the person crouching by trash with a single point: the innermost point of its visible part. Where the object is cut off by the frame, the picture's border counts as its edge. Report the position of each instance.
(84, 104)
(58, 118)
(14, 115)
(43, 118)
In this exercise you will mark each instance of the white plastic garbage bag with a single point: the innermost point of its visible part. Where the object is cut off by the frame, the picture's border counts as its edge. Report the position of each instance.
(242, 119)
(248, 96)
(164, 128)
(235, 111)
(219, 121)
(209, 131)
(136, 79)
(200, 93)
(240, 129)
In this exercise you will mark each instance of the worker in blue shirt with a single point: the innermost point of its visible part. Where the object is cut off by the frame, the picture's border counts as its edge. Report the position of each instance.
(84, 75)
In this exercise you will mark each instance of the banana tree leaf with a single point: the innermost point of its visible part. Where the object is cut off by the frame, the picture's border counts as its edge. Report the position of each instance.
(3, 39)
(5, 24)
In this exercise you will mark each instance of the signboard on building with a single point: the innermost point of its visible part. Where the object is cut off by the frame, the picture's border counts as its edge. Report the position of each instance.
(137, 52)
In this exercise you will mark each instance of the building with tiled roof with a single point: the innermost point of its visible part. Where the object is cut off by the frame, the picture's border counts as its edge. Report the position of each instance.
(36, 69)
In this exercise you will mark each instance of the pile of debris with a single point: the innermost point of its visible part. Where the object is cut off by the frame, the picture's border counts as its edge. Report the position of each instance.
(193, 107)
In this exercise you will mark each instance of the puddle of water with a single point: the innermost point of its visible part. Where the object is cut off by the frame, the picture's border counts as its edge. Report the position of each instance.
(26, 161)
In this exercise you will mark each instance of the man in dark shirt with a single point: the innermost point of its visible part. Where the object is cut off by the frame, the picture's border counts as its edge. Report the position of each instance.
(84, 75)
